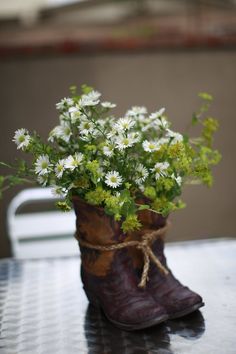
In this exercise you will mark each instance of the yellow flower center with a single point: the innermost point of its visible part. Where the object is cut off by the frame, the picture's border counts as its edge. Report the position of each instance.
(113, 179)
(126, 141)
(44, 164)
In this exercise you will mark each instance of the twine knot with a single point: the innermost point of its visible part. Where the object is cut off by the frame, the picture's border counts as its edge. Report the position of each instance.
(144, 245)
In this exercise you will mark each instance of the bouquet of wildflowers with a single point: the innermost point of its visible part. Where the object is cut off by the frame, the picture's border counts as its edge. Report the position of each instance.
(121, 164)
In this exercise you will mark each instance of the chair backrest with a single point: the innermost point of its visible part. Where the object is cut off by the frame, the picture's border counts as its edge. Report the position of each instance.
(40, 234)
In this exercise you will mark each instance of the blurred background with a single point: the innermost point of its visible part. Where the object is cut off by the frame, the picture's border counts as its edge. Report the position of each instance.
(136, 52)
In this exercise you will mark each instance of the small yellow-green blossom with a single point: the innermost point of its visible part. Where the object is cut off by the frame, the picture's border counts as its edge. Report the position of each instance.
(94, 168)
(165, 184)
(150, 192)
(131, 223)
(210, 126)
(97, 196)
(113, 206)
(64, 206)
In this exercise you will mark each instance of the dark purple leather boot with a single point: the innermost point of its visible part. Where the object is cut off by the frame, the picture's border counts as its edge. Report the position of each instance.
(177, 299)
(109, 278)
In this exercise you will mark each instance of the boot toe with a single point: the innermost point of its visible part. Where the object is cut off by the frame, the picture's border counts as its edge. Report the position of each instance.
(183, 303)
(141, 315)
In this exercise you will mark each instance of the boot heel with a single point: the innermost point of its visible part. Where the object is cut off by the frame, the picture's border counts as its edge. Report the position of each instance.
(92, 299)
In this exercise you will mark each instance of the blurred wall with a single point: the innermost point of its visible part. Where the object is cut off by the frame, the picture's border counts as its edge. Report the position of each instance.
(30, 87)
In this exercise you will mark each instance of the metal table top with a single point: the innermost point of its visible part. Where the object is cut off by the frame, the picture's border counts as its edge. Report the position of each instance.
(44, 310)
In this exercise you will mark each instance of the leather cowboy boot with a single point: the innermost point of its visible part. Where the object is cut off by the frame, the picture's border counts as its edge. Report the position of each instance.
(109, 279)
(177, 299)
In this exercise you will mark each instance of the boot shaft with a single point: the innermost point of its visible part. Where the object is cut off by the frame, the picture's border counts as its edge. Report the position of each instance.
(96, 228)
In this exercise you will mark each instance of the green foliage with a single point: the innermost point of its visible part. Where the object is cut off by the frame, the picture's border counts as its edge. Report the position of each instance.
(144, 207)
(210, 126)
(123, 165)
(165, 207)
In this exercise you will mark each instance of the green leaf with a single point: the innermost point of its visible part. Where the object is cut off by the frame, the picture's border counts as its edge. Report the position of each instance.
(186, 138)
(143, 207)
(125, 194)
(14, 180)
(127, 185)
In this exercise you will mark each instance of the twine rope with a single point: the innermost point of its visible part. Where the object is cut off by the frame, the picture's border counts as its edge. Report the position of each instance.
(144, 245)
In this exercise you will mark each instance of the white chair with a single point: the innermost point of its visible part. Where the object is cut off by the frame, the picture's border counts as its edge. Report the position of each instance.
(40, 234)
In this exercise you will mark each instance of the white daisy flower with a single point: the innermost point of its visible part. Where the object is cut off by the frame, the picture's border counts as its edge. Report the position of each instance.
(106, 163)
(176, 137)
(123, 142)
(142, 188)
(64, 132)
(157, 114)
(160, 169)
(21, 138)
(178, 179)
(72, 162)
(113, 179)
(42, 180)
(164, 123)
(58, 191)
(91, 99)
(65, 117)
(101, 122)
(150, 146)
(108, 150)
(86, 136)
(142, 173)
(136, 111)
(108, 105)
(60, 167)
(160, 122)
(42, 165)
(54, 133)
(111, 134)
(124, 124)
(64, 103)
(75, 114)
(86, 127)
(135, 136)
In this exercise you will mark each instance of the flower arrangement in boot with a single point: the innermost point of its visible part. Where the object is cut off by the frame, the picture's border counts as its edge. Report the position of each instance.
(126, 169)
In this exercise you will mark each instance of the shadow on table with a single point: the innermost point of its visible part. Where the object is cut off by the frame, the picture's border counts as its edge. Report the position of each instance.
(103, 338)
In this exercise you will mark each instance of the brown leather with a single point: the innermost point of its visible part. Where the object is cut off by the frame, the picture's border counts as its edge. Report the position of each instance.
(177, 299)
(109, 278)
(97, 228)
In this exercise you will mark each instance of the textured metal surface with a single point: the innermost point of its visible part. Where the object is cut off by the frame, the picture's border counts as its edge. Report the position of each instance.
(44, 310)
